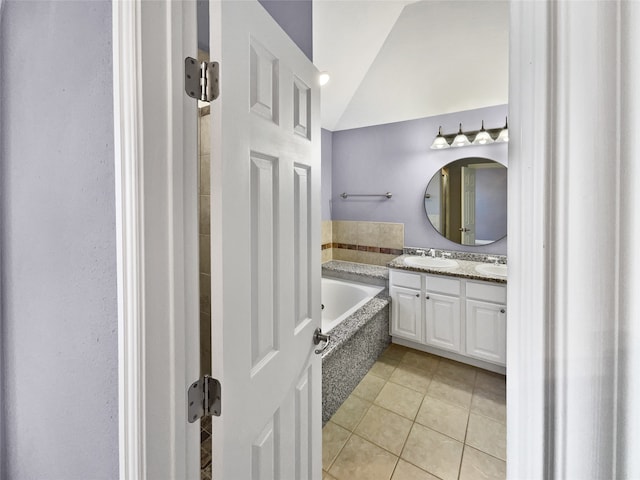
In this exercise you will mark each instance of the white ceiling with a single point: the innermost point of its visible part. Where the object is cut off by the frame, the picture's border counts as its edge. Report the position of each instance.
(394, 60)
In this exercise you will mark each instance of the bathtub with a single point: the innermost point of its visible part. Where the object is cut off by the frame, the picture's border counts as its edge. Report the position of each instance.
(357, 317)
(341, 298)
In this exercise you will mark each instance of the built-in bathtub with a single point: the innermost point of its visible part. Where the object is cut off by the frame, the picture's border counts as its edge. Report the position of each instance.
(341, 298)
(356, 316)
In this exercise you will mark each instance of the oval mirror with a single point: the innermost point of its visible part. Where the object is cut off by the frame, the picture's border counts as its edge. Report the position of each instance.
(466, 201)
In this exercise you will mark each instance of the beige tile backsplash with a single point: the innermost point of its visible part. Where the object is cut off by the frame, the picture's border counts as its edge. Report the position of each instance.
(375, 243)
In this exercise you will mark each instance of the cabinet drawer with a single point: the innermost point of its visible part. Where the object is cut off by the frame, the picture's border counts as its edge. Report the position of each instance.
(403, 279)
(487, 292)
(450, 286)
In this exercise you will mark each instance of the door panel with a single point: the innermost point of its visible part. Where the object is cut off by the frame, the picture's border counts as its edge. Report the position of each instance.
(406, 313)
(265, 260)
(486, 331)
(442, 318)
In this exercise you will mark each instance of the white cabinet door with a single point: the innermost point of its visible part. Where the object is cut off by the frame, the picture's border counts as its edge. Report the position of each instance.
(442, 318)
(406, 313)
(486, 331)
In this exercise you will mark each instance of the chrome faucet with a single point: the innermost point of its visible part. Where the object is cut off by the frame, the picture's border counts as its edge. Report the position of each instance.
(495, 260)
(432, 252)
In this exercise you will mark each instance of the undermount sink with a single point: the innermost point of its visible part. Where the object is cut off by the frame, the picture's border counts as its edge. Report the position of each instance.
(499, 270)
(430, 262)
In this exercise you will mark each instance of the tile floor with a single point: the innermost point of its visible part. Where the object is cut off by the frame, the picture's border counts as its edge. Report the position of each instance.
(417, 416)
(205, 449)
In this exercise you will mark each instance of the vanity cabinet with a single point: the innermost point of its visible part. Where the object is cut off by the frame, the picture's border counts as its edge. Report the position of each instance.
(459, 318)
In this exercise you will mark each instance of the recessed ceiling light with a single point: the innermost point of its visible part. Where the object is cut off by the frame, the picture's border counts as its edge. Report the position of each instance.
(324, 78)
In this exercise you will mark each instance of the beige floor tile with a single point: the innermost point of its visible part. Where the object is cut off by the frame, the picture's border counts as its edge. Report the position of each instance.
(384, 428)
(487, 435)
(333, 439)
(434, 452)
(422, 360)
(490, 404)
(395, 351)
(362, 460)
(406, 471)
(415, 378)
(477, 465)
(443, 417)
(384, 367)
(369, 387)
(449, 390)
(457, 371)
(351, 412)
(491, 382)
(326, 476)
(399, 399)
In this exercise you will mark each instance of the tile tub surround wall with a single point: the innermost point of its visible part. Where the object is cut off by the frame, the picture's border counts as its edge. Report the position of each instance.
(326, 241)
(396, 158)
(355, 346)
(204, 231)
(375, 243)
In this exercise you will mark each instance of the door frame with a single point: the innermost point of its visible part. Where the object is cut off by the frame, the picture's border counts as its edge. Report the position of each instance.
(157, 245)
(149, 128)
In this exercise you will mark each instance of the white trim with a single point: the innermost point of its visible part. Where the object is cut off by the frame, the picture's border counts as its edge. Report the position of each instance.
(156, 205)
(529, 278)
(128, 146)
(574, 274)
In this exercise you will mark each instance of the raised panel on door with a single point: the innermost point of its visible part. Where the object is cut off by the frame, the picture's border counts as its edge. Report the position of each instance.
(486, 331)
(406, 313)
(265, 249)
(442, 319)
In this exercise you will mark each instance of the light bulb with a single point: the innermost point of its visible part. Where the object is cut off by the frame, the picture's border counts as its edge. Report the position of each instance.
(483, 137)
(504, 133)
(439, 142)
(461, 139)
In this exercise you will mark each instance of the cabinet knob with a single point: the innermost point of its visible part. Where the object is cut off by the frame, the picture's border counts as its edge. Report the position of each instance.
(417, 295)
(502, 310)
(427, 297)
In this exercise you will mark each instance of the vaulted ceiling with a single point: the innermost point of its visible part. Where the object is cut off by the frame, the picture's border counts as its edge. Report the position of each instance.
(394, 60)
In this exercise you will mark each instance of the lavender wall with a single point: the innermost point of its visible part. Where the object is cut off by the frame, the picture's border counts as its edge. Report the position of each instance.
(294, 16)
(326, 147)
(396, 157)
(59, 329)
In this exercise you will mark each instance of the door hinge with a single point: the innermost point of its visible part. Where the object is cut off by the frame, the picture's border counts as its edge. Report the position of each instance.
(204, 399)
(202, 79)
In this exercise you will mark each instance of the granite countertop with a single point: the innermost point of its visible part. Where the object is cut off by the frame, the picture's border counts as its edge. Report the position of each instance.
(466, 269)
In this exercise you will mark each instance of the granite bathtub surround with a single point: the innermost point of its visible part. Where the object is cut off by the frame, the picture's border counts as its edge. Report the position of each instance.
(374, 243)
(355, 346)
(465, 269)
(356, 272)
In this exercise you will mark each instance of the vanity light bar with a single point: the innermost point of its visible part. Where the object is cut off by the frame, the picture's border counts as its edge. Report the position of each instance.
(472, 137)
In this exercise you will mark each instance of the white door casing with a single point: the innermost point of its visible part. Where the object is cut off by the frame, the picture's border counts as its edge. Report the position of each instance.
(265, 251)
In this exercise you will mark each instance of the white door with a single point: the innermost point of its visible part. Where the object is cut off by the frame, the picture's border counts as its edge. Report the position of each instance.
(468, 206)
(486, 331)
(265, 249)
(406, 313)
(442, 318)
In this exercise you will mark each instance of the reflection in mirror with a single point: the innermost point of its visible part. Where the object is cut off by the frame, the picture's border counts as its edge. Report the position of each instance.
(466, 201)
